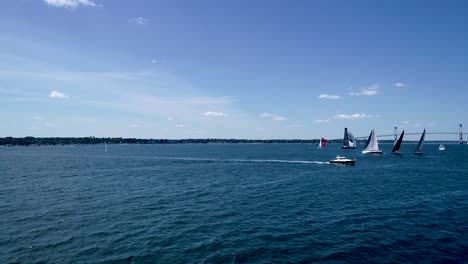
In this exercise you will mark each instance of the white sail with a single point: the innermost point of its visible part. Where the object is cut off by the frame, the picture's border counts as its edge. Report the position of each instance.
(105, 146)
(372, 145)
(441, 147)
(320, 144)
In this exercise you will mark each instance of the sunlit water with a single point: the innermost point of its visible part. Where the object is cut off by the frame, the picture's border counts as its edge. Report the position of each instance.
(218, 203)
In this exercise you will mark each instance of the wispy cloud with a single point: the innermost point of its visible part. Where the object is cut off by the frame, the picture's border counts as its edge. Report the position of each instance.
(170, 118)
(70, 3)
(321, 121)
(214, 114)
(400, 84)
(58, 95)
(273, 117)
(351, 116)
(180, 125)
(329, 96)
(141, 21)
(37, 118)
(370, 91)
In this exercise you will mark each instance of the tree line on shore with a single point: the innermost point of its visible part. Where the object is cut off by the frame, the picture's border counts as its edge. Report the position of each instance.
(32, 141)
(27, 141)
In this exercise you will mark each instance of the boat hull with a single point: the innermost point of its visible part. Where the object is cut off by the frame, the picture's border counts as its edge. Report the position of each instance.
(347, 162)
(418, 153)
(372, 152)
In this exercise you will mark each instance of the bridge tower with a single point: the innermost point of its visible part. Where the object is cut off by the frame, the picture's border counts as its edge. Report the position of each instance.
(460, 130)
(395, 132)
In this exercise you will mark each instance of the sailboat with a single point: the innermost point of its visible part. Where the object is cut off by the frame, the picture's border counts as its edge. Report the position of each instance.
(349, 142)
(322, 143)
(372, 146)
(105, 147)
(396, 147)
(441, 147)
(418, 150)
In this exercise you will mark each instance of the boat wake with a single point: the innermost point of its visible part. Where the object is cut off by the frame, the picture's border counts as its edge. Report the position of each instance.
(246, 160)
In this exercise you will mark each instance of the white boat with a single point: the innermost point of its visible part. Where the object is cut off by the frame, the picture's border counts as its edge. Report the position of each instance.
(322, 143)
(342, 160)
(349, 142)
(441, 147)
(418, 150)
(372, 145)
(105, 147)
(396, 147)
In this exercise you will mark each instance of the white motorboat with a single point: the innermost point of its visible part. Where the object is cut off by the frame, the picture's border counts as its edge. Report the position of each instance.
(342, 160)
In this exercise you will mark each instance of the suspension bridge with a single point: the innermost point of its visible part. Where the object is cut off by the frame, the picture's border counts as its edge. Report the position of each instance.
(395, 134)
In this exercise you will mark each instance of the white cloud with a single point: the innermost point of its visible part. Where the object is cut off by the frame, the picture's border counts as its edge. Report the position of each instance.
(37, 118)
(329, 96)
(57, 94)
(370, 91)
(141, 21)
(400, 84)
(320, 121)
(405, 122)
(351, 116)
(134, 125)
(170, 118)
(180, 125)
(273, 117)
(70, 3)
(215, 114)
(154, 61)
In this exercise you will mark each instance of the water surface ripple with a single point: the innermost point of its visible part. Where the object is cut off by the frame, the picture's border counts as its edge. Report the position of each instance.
(221, 203)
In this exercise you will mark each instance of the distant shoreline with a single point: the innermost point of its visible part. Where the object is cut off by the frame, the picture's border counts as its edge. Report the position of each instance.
(33, 141)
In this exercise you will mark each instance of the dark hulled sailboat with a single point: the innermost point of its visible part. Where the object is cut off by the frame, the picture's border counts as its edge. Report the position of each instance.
(396, 147)
(349, 142)
(418, 150)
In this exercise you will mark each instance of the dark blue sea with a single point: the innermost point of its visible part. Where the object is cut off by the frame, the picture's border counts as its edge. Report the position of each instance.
(232, 203)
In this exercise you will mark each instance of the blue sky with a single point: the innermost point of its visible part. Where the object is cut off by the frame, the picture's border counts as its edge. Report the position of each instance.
(231, 69)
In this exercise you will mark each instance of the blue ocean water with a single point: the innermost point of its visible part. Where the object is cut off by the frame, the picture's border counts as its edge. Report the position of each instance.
(232, 203)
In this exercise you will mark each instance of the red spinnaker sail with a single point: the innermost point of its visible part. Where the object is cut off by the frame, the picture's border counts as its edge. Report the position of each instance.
(323, 142)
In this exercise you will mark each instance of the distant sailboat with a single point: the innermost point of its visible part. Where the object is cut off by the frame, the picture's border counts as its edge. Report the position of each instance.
(372, 146)
(396, 147)
(441, 147)
(322, 143)
(105, 147)
(418, 150)
(349, 142)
